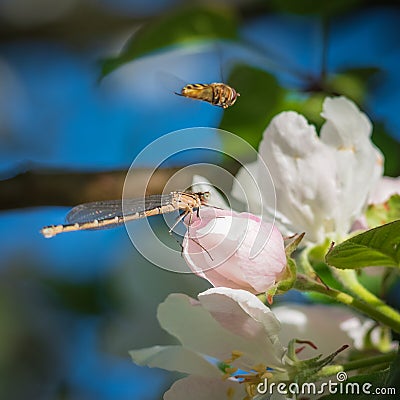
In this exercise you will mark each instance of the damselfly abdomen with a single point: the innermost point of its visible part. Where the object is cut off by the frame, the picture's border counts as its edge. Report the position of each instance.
(109, 214)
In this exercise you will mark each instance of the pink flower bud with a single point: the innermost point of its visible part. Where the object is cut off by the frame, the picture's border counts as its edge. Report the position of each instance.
(234, 250)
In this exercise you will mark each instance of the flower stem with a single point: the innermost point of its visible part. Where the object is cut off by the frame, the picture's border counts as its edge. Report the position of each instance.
(382, 359)
(305, 265)
(351, 284)
(388, 317)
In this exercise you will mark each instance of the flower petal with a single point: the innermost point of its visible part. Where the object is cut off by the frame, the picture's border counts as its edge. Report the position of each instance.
(240, 312)
(322, 184)
(175, 358)
(359, 163)
(384, 189)
(235, 250)
(304, 173)
(345, 124)
(266, 268)
(199, 388)
(199, 331)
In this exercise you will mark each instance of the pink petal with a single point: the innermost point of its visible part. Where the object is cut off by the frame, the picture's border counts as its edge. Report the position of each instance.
(235, 250)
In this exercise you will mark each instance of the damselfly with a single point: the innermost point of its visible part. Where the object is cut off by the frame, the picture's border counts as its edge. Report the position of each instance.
(108, 214)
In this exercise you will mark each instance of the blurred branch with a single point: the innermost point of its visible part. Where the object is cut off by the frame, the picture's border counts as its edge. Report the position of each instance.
(34, 189)
(98, 24)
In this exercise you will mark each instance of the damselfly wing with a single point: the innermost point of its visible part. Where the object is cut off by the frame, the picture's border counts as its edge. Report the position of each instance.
(109, 214)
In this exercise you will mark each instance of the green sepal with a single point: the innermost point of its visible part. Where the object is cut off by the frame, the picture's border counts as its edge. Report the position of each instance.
(305, 370)
(288, 277)
(287, 282)
(294, 244)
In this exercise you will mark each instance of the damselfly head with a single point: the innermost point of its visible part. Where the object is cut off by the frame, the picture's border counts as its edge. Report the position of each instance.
(205, 197)
(217, 94)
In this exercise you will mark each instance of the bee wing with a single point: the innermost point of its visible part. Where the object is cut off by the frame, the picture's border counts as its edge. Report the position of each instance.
(170, 82)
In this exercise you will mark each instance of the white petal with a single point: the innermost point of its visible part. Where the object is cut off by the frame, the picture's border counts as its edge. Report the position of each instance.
(198, 331)
(345, 124)
(174, 358)
(304, 173)
(359, 163)
(240, 312)
(201, 184)
(321, 185)
(384, 189)
(198, 388)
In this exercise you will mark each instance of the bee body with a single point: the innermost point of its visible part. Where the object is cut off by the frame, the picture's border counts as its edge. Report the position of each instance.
(217, 94)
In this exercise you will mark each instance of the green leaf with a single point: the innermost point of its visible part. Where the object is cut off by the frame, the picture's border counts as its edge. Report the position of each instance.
(377, 247)
(379, 214)
(393, 378)
(260, 99)
(187, 25)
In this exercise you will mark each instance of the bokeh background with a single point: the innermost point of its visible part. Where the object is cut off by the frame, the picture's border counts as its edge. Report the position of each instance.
(84, 87)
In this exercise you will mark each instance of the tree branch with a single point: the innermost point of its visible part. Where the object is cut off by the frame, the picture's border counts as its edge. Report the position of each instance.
(36, 188)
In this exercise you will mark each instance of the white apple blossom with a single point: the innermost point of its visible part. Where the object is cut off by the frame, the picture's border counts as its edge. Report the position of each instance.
(224, 325)
(322, 182)
(230, 341)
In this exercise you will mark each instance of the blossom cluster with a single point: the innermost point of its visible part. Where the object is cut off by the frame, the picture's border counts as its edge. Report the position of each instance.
(230, 340)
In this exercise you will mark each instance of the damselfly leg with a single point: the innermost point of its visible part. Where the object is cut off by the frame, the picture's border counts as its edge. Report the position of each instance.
(189, 211)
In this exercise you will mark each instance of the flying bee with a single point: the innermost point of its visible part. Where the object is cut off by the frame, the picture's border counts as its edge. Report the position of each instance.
(217, 94)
